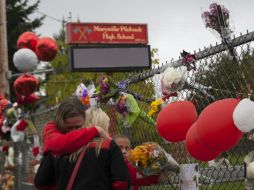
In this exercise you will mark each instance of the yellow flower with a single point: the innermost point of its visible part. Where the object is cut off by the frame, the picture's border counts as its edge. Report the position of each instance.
(155, 106)
(148, 158)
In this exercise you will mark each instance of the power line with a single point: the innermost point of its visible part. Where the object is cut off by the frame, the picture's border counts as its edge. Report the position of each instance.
(51, 17)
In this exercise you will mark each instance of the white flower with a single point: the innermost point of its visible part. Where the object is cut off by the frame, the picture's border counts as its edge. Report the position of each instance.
(173, 79)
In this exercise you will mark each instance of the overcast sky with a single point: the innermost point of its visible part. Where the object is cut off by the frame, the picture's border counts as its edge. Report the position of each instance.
(173, 25)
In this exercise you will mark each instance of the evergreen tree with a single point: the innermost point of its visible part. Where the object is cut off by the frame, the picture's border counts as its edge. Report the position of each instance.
(18, 21)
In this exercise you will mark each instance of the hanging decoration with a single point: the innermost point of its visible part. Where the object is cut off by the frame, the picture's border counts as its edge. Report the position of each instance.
(86, 95)
(9, 158)
(243, 115)
(26, 100)
(215, 125)
(128, 107)
(4, 104)
(25, 84)
(218, 19)
(151, 159)
(188, 60)
(28, 40)
(25, 60)
(156, 105)
(36, 145)
(196, 149)
(46, 49)
(4, 127)
(173, 79)
(175, 119)
(106, 89)
(15, 123)
(35, 151)
(17, 130)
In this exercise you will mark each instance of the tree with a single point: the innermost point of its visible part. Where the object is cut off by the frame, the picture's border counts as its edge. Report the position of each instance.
(18, 21)
(225, 77)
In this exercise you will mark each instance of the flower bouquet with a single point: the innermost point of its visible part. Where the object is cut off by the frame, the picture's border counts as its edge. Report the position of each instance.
(173, 79)
(106, 89)
(217, 18)
(128, 107)
(151, 159)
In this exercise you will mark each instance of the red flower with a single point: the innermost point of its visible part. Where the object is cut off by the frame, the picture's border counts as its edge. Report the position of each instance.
(22, 125)
(5, 148)
(35, 151)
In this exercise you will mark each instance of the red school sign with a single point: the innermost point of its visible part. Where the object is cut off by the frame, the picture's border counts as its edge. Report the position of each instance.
(106, 33)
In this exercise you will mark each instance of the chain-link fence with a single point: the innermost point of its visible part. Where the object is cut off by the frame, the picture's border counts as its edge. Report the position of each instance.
(219, 74)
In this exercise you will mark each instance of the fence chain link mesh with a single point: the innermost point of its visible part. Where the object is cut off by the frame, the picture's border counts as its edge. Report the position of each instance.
(217, 76)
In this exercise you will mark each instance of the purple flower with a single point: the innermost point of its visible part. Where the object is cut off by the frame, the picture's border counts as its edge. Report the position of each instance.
(213, 5)
(104, 85)
(122, 85)
(84, 93)
(206, 14)
(211, 17)
(121, 107)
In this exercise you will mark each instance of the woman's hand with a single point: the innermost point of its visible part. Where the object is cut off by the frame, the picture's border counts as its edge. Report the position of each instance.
(102, 132)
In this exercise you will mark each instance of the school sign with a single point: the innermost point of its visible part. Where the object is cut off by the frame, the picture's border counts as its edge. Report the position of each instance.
(106, 33)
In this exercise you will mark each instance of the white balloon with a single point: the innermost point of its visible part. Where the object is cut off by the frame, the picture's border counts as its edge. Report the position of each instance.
(243, 115)
(25, 60)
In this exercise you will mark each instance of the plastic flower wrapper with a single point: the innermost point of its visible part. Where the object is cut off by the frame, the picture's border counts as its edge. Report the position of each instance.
(151, 159)
(128, 107)
(107, 89)
(217, 18)
(173, 79)
(85, 94)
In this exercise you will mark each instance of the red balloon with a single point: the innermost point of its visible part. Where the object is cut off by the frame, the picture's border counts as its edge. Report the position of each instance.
(28, 40)
(175, 119)
(25, 84)
(46, 49)
(196, 149)
(29, 99)
(215, 125)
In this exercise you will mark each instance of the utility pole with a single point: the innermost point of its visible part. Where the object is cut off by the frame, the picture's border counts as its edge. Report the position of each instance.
(4, 84)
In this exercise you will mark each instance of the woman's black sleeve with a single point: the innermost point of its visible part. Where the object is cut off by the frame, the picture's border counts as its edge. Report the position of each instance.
(45, 176)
